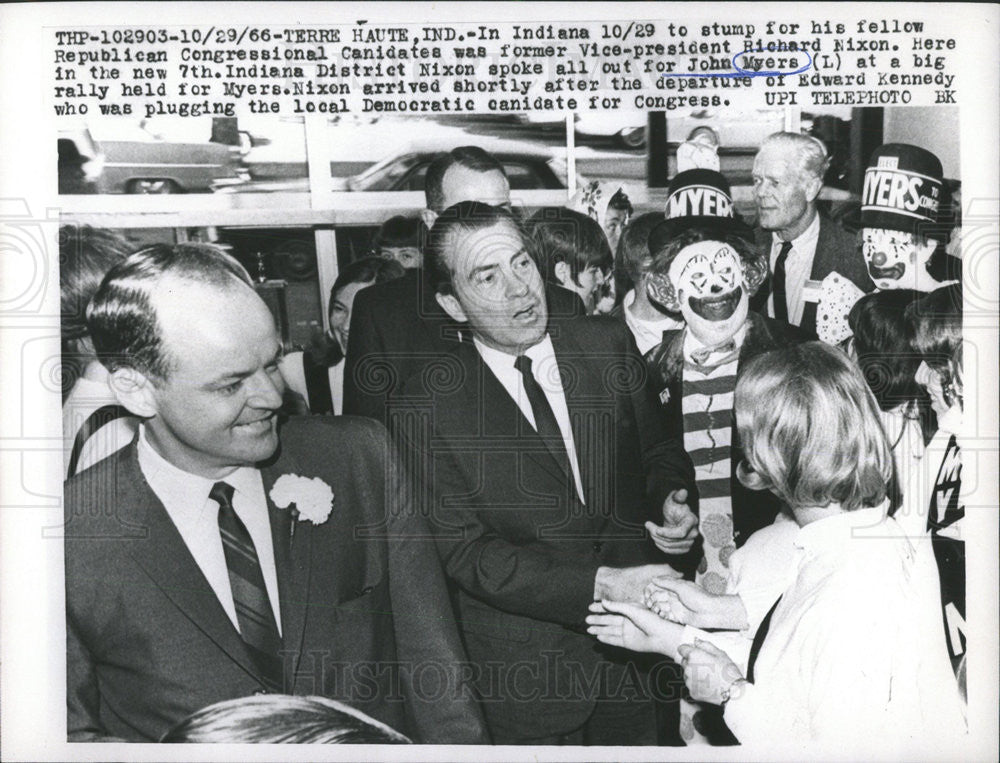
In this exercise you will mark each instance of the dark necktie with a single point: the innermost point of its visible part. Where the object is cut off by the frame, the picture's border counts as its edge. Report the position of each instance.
(545, 420)
(758, 639)
(778, 283)
(246, 579)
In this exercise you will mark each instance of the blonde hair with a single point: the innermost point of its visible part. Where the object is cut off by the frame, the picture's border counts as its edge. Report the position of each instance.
(810, 429)
(282, 719)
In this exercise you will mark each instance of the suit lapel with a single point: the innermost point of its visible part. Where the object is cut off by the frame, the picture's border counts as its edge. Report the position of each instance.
(501, 415)
(292, 540)
(820, 267)
(165, 558)
(583, 386)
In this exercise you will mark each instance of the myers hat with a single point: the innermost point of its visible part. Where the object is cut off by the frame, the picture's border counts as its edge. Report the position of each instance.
(697, 198)
(903, 189)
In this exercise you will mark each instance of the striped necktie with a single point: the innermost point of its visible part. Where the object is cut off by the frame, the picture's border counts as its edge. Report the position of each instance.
(246, 579)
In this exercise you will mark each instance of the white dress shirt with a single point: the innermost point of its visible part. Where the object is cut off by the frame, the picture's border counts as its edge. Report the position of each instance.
(798, 267)
(855, 653)
(546, 372)
(295, 377)
(648, 334)
(196, 517)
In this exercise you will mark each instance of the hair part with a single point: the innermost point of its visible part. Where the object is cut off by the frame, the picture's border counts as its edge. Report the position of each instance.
(810, 429)
(463, 218)
(471, 157)
(282, 719)
(121, 318)
(564, 235)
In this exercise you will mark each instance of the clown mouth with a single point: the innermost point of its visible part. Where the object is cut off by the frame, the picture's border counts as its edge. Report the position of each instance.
(887, 274)
(716, 308)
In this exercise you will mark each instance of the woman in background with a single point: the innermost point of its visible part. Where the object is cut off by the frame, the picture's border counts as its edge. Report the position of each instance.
(94, 424)
(317, 374)
(572, 252)
(881, 346)
(933, 510)
(608, 204)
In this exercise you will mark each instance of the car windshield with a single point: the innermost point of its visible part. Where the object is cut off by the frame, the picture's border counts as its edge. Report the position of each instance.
(382, 175)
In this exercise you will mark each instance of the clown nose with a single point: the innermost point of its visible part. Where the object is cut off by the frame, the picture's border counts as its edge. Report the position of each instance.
(879, 259)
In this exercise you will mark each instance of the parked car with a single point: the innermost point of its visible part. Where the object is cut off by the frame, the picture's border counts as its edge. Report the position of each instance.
(157, 156)
(625, 128)
(529, 167)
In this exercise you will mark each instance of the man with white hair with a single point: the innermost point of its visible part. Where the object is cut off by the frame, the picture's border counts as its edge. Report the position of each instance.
(804, 247)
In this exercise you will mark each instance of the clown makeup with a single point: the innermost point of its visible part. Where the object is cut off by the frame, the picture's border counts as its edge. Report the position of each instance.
(892, 258)
(708, 278)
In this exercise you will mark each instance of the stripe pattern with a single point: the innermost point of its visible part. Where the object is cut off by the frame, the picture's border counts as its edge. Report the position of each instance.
(707, 407)
(246, 579)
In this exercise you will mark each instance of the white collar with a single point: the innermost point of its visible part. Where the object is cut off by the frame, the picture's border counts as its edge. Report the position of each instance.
(539, 352)
(805, 240)
(831, 533)
(194, 489)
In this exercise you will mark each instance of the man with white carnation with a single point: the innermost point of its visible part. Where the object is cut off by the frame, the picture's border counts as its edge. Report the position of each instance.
(227, 552)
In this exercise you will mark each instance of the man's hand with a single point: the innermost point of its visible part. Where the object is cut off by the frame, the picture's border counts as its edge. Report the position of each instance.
(680, 525)
(633, 627)
(628, 583)
(708, 671)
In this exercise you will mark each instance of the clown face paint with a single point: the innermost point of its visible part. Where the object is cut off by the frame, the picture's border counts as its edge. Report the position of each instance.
(711, 287)
(893, 258)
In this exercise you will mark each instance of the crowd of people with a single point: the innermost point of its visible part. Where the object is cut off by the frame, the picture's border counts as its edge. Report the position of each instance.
(575, 477)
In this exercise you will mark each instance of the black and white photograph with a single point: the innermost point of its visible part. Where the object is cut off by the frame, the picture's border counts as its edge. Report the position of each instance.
(554, 383)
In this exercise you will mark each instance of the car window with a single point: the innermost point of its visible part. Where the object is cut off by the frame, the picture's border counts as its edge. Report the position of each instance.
(523, 177)
(415, 180)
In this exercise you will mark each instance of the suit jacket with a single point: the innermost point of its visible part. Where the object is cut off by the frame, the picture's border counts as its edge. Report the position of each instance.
(397, 329)
(836, 250)
(752, 509)
(520, 548)
(362, 596)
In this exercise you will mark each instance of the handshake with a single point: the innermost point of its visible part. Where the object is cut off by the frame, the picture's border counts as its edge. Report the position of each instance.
(676, 536)
(658, 625)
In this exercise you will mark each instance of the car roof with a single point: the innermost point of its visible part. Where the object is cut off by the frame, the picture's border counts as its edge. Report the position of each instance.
(496, 146)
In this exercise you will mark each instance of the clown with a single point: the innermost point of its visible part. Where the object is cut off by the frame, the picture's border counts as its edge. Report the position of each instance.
(706, 270)
(900, 210)
(902, 229)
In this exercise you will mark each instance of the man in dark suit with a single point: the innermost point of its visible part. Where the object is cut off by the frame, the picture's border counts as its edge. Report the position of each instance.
(803, 247)
(398, 328)
(543, 456)
(224, 554)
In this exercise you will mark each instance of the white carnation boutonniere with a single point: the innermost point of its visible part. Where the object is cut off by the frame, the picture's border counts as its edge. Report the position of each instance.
(311, 499)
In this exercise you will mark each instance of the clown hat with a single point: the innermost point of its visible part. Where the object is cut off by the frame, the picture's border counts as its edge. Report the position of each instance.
(697, 198)
(903, 190)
